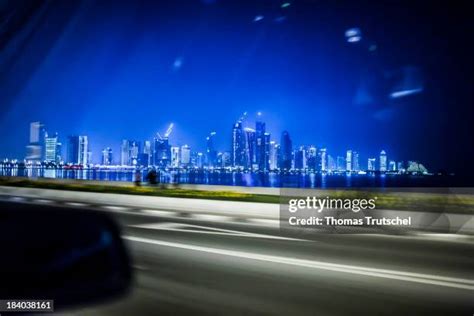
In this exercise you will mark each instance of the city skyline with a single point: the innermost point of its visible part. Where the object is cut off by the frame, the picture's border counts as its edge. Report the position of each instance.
(251, 149)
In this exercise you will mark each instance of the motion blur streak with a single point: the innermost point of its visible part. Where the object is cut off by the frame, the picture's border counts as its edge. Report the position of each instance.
(389, 274)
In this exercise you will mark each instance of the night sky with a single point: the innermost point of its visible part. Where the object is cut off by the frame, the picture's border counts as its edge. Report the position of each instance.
(114, 70)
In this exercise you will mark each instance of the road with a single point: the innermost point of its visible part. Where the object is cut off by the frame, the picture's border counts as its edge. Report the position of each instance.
(206, 264)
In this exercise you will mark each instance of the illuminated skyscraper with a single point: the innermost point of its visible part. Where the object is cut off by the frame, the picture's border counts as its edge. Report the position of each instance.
(273, 156)
(130, 150)
(211, 153)
(35, 149)
(107, 157)
(383, 161)
(371, 164)
(355, 161)
(331, 163)
(250, 158)
(78, 150)
(286, 151)
(52, 149)
(262, 140)
(392, 165)
(322, 160)
(238, 145)
(349, 160)
(312, 160)
(300, 158)
(161, 152)
(185, 155)
(175, 157)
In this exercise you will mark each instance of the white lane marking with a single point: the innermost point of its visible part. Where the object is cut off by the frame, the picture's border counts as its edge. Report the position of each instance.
(459, 283)
(75, 204)
(43, 201)
(189, 228)
(160, 213)
(213, 218)
(115, 208)
(264, 222)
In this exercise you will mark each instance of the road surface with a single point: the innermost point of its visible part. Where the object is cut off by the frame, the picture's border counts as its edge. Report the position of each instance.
(205, 264)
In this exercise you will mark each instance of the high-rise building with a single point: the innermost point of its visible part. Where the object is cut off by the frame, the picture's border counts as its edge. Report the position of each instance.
(392, 165)
(383, 161)
(340, 163)
(107, 156)
(146, 158)
(286, 151)
(371, 164)
(273, 156)
(211, 153)
(312, 158)
(35, 149)
(322, 160)
(355, 161)
(331, 163)
(52, 149)
(238, 145)
(349, 160)
(185, 155)
(250, 158)
(262, 144)
(300, 158)
(78, 150)
(200, 160)
(162, 152)
(175, 157)
(129, 152)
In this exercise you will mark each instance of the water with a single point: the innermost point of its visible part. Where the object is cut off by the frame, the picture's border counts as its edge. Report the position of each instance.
(298, 180)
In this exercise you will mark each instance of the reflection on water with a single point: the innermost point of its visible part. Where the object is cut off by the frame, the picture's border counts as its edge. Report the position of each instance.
(301, 180)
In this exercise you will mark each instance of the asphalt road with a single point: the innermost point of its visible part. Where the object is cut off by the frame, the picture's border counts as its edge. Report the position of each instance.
(208, 265)
(200, 265)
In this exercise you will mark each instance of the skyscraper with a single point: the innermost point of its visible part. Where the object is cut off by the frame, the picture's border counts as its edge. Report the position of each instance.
(78, 150)
(250, 158)
(211, 153)
(286, 151)
(35, 148)
(392, 165)
(261, 145)
(383, 161)
(312, 160)
(349, 160)
(331, 163)
(129, 152)
(322, 160)
(162, 152)
(185, 155)
(355, 161)
(371, 164)
(175, 158)
(238, 145)
(273, 156)
(300, 158)
(107, 157)
(52, 149)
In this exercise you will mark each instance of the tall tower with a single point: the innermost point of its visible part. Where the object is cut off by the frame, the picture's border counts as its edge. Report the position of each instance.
(238, 145)
(383, 161)
(349, 160)
(286, 151)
